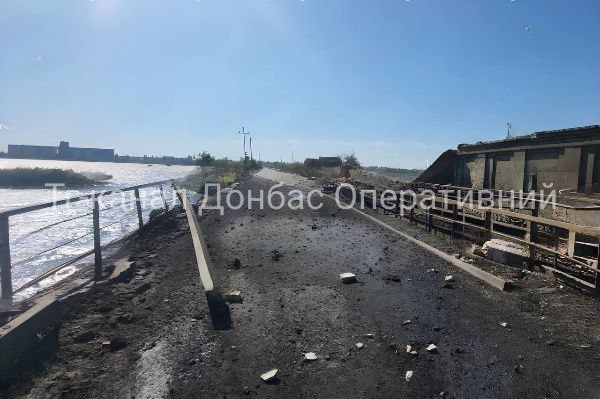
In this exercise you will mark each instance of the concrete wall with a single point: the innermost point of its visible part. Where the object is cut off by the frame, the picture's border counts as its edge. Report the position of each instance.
(510, 170)
(543, 163)
(503, 171)
(471, 171)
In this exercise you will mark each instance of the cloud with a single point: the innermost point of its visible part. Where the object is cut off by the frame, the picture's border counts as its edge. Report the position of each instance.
(3, 126)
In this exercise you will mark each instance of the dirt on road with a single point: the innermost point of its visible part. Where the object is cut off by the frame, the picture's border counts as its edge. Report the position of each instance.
(286, 264)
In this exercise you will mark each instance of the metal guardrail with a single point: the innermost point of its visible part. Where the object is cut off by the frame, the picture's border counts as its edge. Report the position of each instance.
(6, 296)
(541, 236)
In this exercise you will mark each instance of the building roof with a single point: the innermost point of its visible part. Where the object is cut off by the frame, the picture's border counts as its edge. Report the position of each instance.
(575, 134)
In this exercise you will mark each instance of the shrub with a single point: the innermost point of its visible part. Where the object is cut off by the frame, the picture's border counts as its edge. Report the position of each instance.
(39, 177)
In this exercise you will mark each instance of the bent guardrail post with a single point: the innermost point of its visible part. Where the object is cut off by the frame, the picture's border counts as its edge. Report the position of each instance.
(97, 244)
(6, 299)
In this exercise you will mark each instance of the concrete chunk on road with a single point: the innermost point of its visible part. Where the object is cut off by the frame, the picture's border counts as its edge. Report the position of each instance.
(431, 348)
(348, 278)
(310, 356)
(360, 345)
(269, 375)
(233, 297)
(449, 278)
(504, 324)
(408, 375)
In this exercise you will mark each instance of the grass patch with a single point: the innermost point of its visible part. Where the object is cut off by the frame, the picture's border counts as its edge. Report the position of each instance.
(221, 171)
(39, 177)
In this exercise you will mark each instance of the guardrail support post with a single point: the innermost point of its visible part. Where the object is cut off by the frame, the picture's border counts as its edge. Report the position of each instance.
(5, 272)
(534, 212)
(162, 195)
(97, 244)
(138, 207)
(454, 219)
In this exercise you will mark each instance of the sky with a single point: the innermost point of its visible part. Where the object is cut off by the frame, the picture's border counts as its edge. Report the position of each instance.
(395, 81)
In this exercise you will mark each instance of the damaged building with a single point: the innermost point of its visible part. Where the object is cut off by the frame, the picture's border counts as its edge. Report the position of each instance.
(567, 159)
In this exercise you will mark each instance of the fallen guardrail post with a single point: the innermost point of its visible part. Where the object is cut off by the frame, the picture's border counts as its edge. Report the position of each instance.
(219, 310)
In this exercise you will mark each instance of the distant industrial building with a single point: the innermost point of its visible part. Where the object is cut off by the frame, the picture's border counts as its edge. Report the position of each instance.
(569, 159)
(62, 152)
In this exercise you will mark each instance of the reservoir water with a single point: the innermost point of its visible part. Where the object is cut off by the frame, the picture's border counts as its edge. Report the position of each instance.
(36, 249)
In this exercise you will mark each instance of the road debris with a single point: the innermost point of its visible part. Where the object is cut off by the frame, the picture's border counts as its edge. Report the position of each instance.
(408, 375)
(348, 278)
(504, 324)
(405, 322)
(392, 278)
(359, 345)
(431, 270)
(370, 336)
(269, 375)
(114, 344)
(310, 356)
(449, 278)
(233, 297)
(431, 348)
(410, 350)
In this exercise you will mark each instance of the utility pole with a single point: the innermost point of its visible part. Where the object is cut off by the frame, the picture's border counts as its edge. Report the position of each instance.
(508, 129)
(244, 133)
(251, 148)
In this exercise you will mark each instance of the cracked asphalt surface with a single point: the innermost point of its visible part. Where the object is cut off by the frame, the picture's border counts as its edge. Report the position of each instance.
(286, 264)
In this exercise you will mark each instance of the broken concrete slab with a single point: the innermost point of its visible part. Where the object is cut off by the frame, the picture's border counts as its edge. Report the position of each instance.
(359, 345)
(449, 278)
(431, 348)
(408, 376)
(506, 252)
(233, 297)
(348, 278)
(269, 376)
(310, 356)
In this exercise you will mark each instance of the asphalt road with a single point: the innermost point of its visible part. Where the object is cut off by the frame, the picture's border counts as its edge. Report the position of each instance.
(286, 264)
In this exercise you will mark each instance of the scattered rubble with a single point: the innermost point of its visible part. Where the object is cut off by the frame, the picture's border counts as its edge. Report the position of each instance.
(233, 297)
(114, 344)
(392, 278)
(269, 376)
(431, 348)
(348, 278)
